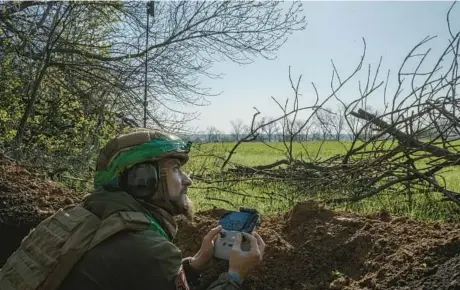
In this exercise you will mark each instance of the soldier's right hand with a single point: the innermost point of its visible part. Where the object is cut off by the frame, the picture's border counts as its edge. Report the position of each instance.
(243, 262)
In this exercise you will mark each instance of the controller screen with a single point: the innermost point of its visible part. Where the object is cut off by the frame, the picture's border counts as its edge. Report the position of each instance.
(238, 221)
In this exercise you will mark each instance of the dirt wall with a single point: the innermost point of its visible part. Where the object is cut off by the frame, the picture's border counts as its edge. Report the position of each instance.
(308, 247)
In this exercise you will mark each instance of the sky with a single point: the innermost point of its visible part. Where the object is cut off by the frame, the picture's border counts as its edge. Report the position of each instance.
(335, 31)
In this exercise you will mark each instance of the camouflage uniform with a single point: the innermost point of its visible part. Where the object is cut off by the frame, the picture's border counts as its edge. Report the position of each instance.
(135, 260)
(112, 240)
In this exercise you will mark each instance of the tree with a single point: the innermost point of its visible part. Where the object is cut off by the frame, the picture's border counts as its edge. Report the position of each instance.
(213, 134)
(338, 122)
(401, 149)
(271, 129)
(238, 128)
(181, 31)
(80, 66)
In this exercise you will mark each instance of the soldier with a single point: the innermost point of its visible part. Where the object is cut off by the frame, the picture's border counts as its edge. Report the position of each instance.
(120, 236)
(142, 172)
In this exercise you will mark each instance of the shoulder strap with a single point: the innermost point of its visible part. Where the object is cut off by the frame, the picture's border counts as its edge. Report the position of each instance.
(128, 220)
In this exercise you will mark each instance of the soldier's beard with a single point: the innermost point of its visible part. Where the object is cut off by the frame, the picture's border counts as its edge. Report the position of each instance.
(183, 205)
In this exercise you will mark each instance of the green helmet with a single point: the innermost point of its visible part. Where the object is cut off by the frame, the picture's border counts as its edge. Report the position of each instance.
(124, 151)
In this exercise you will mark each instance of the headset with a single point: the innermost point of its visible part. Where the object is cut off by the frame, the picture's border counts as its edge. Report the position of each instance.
(141, 180)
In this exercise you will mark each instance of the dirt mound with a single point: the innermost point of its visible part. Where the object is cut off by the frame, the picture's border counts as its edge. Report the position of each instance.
(314, 248)
(447, 276)
(309, 247)
(26, 198)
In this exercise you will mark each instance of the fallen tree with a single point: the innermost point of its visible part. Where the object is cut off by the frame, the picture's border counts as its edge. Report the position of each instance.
(402, 148)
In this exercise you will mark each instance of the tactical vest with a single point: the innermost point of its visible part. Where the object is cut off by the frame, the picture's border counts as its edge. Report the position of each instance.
(46, 256)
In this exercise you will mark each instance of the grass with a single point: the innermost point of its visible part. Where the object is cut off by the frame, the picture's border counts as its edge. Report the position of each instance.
(280, 198)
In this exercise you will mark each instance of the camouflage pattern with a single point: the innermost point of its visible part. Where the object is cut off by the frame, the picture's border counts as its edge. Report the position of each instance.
(107, 242)
(125, 142)
(136, 260)
(50, 251)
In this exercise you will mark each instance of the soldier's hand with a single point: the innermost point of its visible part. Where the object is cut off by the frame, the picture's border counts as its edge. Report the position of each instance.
(243, 262)
(203, 258)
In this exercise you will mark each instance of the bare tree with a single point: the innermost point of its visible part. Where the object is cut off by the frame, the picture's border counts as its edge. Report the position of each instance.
(299, 126)
(269, 130)
(98, 52)
(331, 123)
(339, 122)
(325, 123)
(238, 129)
(213, 134)
(400, 149)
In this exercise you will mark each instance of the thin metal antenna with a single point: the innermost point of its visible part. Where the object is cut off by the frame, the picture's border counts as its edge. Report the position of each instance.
(150, 11)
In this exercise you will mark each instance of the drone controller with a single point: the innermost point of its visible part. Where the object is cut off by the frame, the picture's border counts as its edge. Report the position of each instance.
(234, 222)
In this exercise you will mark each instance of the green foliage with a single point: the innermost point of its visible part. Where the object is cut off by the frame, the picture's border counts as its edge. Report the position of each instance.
(66, 117)
(71, 73)
(11, 104)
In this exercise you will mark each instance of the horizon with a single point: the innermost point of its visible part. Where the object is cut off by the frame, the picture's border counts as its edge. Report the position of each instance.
(390, 29)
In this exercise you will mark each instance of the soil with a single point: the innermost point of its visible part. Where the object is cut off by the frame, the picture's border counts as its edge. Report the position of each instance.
(26, 198)
(309, 247)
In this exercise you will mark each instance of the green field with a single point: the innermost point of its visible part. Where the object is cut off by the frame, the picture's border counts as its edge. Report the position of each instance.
(279, 198)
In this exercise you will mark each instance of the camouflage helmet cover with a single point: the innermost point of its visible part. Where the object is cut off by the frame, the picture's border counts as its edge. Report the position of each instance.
(124, 151)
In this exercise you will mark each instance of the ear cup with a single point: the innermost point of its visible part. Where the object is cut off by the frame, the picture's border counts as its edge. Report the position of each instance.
(142, 180)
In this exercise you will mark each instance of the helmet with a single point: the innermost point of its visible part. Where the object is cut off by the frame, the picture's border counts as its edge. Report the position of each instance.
(127, 150)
